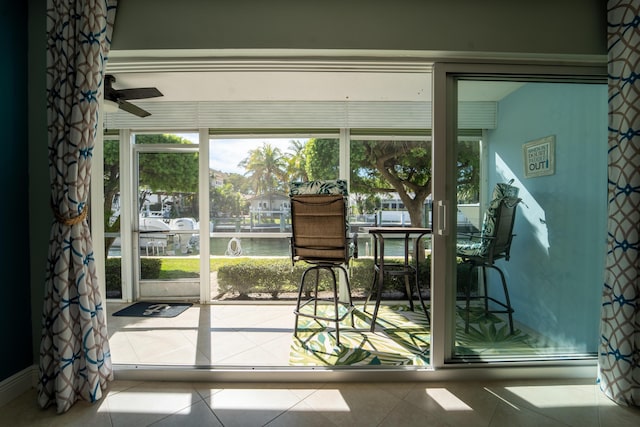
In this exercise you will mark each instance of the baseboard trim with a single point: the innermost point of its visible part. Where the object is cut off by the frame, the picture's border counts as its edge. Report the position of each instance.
(17, 384)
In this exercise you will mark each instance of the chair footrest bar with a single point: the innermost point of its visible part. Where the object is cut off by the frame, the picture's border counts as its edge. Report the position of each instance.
(326, 319)
(349, 309)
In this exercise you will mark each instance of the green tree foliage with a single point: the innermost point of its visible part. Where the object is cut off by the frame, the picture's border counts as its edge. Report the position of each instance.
(167, 172)
(227, 202)
(378, 167)
(159, 172)
(238, 182)
(402, 167)
(111, 189)
(468, 163)
(366, 203)
(384, 167)
(321, 158)
(297, 161)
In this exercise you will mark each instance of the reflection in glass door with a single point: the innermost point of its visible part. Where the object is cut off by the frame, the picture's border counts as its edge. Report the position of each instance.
(167, 222)
(112, 216)
(548, 141)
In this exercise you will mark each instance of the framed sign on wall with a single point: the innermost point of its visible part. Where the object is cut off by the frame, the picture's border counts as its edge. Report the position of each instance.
(539, 157)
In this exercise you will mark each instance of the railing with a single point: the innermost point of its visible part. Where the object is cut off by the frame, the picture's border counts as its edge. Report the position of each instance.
(261, 233)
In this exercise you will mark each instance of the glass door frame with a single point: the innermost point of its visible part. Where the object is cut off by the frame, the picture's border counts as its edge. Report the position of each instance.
(445, 101)
(129, 234)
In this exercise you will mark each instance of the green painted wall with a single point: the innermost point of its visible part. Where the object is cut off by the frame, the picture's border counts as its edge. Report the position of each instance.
(15, 316)
(561, 26)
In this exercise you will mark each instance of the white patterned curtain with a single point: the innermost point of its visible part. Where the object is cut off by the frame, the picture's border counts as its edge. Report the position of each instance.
(619, 358)
(75, 359)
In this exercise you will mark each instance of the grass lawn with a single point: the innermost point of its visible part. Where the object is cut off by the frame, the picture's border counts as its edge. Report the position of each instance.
(180, 268)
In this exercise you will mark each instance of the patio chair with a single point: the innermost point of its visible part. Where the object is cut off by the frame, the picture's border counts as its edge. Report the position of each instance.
(491, 244)
(319, 237)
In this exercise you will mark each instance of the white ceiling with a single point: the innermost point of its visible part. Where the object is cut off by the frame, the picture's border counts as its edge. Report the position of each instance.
(302, 98)
(303, 86)
(281, 85)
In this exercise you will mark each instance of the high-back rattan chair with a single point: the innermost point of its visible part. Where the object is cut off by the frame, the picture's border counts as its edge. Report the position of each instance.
(493, 243)
(319, 237)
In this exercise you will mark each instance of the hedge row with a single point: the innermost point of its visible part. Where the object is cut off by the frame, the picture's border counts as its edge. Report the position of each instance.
(149, 269)
(276, 276)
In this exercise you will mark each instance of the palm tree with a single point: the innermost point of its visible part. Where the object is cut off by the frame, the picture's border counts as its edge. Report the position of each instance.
(266, 169)
(297, 161)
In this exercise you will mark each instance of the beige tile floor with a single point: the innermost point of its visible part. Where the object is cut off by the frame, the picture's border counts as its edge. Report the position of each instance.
(513, 403)
(263, 333)
(204, 335)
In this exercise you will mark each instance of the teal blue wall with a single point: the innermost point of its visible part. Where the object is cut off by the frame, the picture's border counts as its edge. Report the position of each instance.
(556, 271)
(15, 316)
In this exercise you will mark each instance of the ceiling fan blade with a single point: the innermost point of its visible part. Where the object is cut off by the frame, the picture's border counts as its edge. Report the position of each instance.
(138, 93)
(133, 109)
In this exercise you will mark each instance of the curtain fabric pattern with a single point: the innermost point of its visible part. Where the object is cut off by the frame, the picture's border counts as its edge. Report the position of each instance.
(619, 356)
(75, 359)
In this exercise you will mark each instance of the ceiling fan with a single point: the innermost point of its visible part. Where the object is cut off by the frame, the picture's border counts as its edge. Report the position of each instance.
(115, 99)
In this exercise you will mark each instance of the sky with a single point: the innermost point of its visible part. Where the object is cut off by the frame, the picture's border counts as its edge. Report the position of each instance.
(225, 154)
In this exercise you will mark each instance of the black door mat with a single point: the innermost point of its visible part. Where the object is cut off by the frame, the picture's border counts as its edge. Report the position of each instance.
(153, 309)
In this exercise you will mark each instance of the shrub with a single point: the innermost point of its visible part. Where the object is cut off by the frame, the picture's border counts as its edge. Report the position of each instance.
(149, 269)
(113, 277)
(276, 276)
(245, 278)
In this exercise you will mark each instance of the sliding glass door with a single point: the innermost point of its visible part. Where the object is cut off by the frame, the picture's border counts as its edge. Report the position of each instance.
(436, 164)
(541, 147)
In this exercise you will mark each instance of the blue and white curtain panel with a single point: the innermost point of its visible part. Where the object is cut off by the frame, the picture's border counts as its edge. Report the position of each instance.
(619, 351)
(75, 359)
